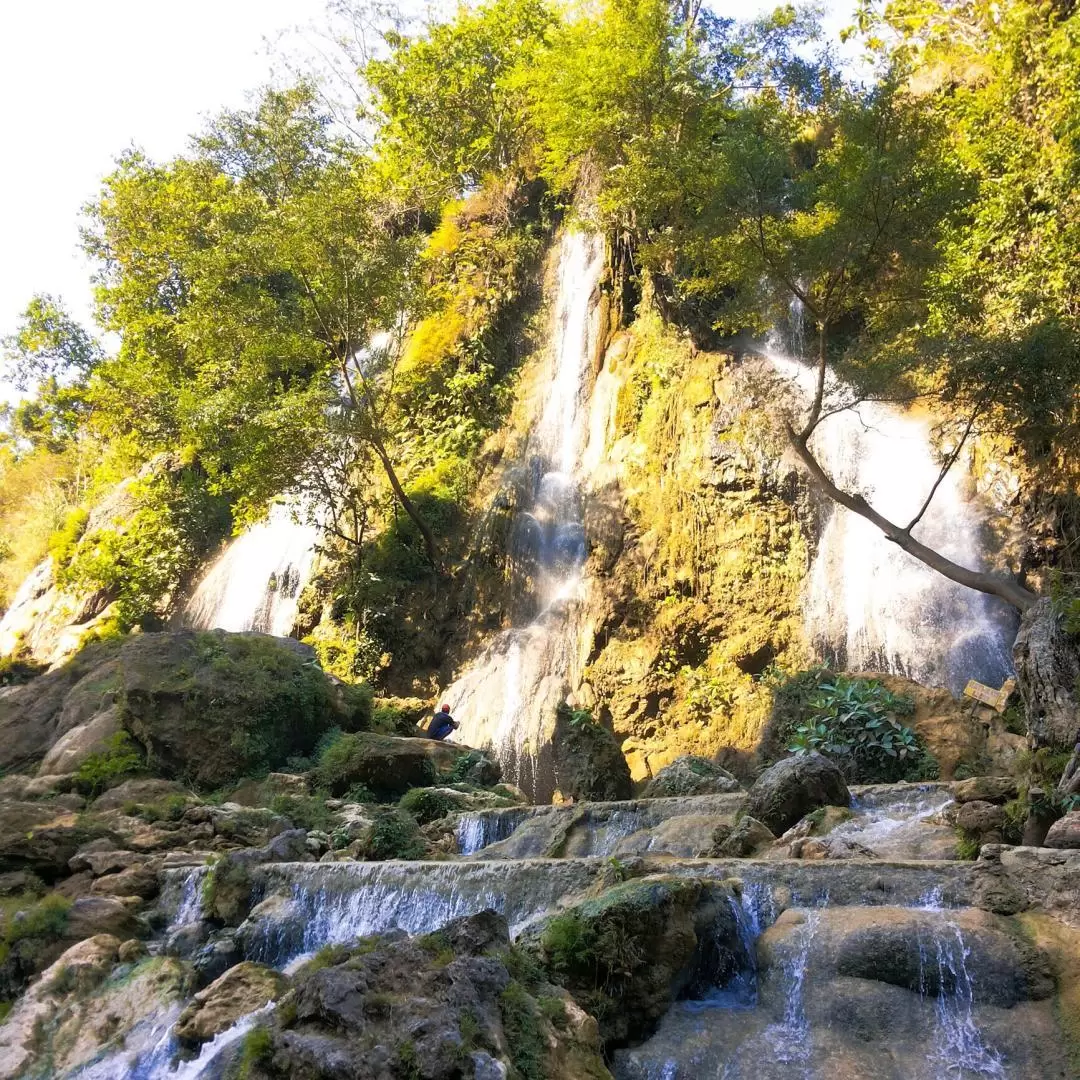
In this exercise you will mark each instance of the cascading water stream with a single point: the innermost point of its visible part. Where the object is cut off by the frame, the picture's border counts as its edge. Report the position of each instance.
(507, 699)
(255, 583)
(871, 606)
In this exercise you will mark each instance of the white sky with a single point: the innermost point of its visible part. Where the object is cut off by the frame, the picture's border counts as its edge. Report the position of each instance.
(81, 80)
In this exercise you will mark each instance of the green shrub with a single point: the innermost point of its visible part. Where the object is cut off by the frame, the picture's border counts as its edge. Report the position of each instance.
(171, 808)
(65, 540)
(967, 845)
(524, 1033)
(395, 835)
(569, 942)
(428, 804)
(15, 671)
(256, 1049)
(106, 769)
(29, 928)
(359, 793)
(175, 523)
(304, 811)
(856, 722)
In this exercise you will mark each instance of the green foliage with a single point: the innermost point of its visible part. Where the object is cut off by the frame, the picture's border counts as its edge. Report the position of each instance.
(63, 542)
(30, 929)
(144, 558)
(856, 722)
(256, 1049)
(967, 845)
(171, 808)
(100, 771)
(1066, 601)
(395, 835)
(449, 108)
(15, 671)
(346, 653)
(429, 804)
(522, 1024)
(304, 811)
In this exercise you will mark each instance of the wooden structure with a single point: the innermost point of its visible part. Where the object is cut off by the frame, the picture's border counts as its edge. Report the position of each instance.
(987, 695)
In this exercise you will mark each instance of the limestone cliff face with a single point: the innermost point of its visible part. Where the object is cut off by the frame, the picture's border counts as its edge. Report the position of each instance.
(698, 554)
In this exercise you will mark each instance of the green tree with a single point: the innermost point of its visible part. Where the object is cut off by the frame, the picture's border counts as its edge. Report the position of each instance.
(448, 108)
(50, 357)
(248, 281)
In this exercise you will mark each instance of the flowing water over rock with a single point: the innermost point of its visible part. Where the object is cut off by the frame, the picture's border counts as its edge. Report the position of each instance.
(255, 583)
(872, 607)
(507, 698)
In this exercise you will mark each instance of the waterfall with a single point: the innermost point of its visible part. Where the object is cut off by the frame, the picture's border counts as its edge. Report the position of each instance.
(871, 606)
(255, 583)
(507, 698)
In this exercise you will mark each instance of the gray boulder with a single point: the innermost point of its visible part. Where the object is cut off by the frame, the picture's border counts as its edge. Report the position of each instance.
(791, 788)
(690, 775)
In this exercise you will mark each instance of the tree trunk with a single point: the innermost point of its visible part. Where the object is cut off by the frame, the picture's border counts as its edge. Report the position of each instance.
(1006, 588)
(406, 503)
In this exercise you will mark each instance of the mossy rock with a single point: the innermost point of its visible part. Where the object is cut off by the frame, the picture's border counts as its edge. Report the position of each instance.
(588, 762)
(389, 766)
(625, 954)
(207, 708)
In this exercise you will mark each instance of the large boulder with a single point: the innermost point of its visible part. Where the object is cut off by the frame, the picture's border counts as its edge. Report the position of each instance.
(40, 837)
(388, 765)
(690, 775)
(1047, 660)
(791, 788)
(625, 955)
(175, 693)
(1065, 832)
(444, 1005)
(587, 761)
(241, 990)
(923, 950)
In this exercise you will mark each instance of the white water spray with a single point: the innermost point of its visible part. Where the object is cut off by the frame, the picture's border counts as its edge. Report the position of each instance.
(255, 583)
(871, 606)
(507, 699)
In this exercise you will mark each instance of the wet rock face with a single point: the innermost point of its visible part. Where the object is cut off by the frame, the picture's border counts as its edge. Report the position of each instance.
(436, 1007)
(241, 990)
(902, 946)
(690, 775)
(587, 761)
(792, 788)
(1047, 663)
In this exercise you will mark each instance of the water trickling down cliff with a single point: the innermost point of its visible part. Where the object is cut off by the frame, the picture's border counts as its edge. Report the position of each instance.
(868, 604)
(507, 698)
(255, 583)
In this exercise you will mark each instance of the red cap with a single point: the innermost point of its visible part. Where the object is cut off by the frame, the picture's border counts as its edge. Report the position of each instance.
(446, 708)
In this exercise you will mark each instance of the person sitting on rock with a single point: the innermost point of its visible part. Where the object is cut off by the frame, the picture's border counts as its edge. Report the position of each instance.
(442, 723)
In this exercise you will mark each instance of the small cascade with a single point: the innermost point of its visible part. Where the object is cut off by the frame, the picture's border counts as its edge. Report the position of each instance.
(507, 698)
(255, 583)
(336, 903)
(871, 606)
(789, 1038)
(959, 1047)
(182, 895)
(477, 831)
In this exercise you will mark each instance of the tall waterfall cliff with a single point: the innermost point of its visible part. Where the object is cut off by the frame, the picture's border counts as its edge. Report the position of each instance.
(508, 696)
